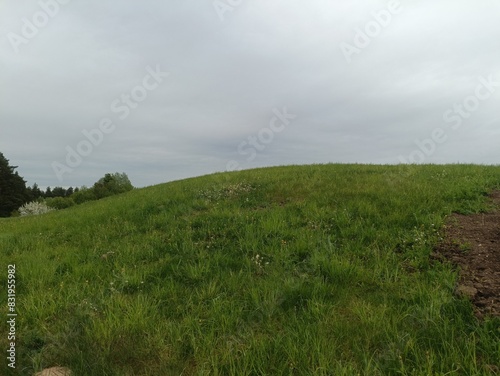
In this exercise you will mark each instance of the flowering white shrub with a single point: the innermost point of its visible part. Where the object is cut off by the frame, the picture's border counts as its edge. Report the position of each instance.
(34, 208)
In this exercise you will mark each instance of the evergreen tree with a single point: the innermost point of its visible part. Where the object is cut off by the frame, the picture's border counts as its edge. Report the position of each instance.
(36, 192)
(13, 192)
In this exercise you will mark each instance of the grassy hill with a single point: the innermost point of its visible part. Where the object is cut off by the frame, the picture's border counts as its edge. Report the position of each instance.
(300, 270)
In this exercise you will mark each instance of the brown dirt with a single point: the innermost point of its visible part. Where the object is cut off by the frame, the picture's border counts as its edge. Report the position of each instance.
(472, 243)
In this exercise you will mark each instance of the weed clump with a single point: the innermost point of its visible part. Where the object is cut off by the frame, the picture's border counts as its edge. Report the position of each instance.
(215, 194)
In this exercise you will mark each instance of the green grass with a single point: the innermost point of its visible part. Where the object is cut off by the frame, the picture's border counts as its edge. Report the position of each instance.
(300, 270)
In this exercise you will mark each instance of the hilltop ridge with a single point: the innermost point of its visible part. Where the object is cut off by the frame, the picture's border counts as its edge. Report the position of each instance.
(321, 269)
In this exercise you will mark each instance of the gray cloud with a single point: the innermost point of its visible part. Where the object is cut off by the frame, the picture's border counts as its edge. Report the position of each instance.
(227, 77)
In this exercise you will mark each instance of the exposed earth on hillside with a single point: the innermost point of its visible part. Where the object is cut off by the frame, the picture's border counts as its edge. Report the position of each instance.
(472, 242)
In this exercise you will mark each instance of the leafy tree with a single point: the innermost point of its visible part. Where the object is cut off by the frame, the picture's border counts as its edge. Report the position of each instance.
(83, 194)
(60, 202)
(13, 192)
(112, 184)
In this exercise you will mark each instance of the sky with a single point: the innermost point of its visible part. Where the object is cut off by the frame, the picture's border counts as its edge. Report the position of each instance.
(165, 90)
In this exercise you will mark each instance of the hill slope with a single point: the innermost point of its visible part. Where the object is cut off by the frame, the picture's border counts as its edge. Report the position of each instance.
(294, 270)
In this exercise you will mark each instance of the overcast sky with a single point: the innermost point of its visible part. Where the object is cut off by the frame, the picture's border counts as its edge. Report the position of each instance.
(164, 90)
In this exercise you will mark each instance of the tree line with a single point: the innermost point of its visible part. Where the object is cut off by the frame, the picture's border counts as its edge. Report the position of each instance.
(35, 193)
(14, 193)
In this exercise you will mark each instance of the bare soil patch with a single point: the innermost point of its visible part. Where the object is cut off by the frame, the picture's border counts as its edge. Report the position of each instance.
(472, 243)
